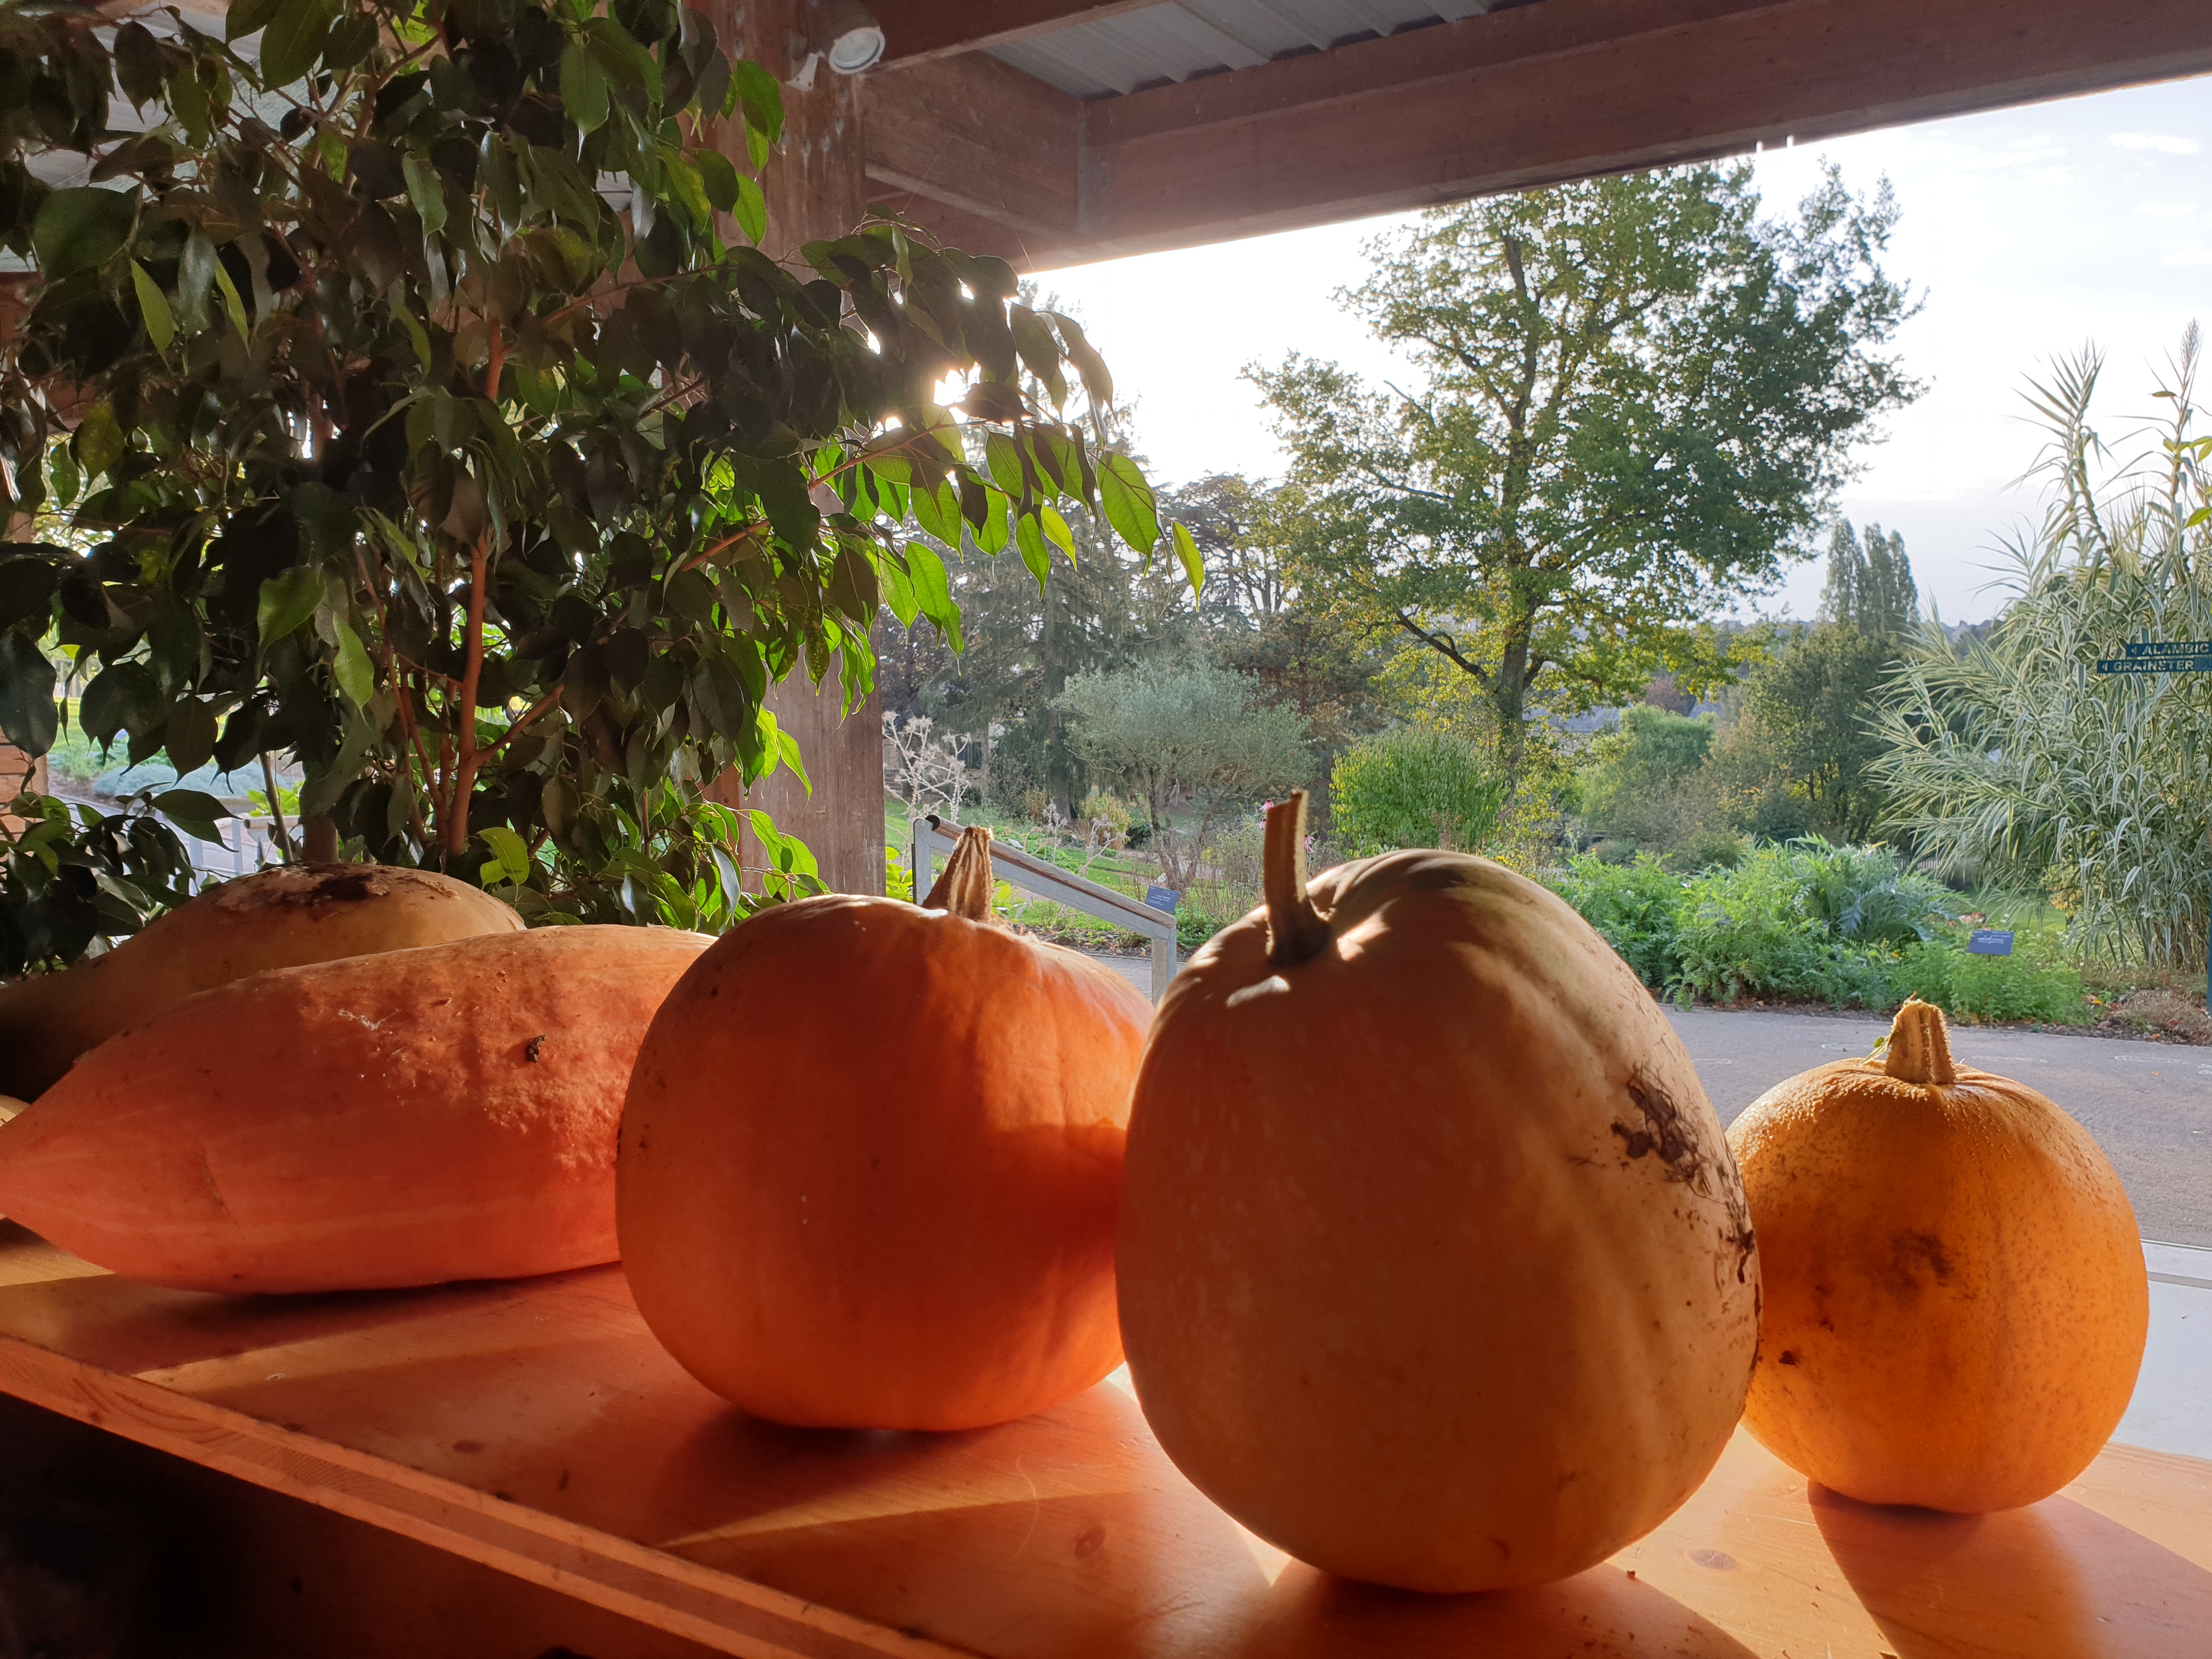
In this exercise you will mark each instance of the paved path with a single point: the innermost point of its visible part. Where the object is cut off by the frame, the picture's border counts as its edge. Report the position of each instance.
(2149, 1104)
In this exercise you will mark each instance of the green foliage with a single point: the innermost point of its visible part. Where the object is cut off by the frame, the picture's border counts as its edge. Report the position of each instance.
(1845, 926)
(1800, 758)
(69, 878)
(1870, 585)
(1638, 398)
(2013, 759)
(1192, 727)
(1414, 786)
(1642, 783)
(399, 446)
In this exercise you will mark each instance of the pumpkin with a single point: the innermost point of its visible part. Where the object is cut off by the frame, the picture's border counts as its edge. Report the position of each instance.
(407, 1118)
(870, 1160)
(1955, 1298)
(1434, 1269)
(277, 918)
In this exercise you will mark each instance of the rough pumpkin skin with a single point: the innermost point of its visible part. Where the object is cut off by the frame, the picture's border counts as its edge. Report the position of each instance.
(1955, 1299)
(406, 1118)
(870, 1160)
(281, 917)
(1434, 1267)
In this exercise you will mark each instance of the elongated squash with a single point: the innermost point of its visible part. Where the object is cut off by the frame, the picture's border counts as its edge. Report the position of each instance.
(279, 918)
(406, 1118)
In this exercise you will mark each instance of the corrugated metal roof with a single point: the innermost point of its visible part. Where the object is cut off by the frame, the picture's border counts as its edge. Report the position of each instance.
(1179, 39)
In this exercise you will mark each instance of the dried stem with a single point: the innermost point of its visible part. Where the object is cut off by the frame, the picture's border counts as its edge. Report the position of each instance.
(1920, 1045)
(965, 887)
(1296, 930)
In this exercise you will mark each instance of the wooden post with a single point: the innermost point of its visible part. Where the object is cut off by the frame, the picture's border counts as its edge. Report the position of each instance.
(815, 189)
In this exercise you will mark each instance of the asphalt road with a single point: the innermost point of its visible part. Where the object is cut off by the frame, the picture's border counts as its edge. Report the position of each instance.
(2149, 1104)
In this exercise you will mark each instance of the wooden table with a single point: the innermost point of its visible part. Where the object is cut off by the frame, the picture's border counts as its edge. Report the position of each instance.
(536, 1426)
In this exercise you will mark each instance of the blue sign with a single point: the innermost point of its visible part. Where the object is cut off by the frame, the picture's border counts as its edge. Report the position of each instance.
(1990, 942)
(2154, 664)
(2168, 648)
(1162, 898)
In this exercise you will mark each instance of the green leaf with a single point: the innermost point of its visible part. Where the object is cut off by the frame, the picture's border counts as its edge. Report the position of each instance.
(1004, 458)
(153, 308)
(512, 852)
(98, 440)
(1194, 567)
(1057, 532)
(293, 39)
(247, 15)
(78, 229)
(427, 190)
(751, 211)
(137, 65)
(933, 593)
(1131, 507)
(350, 667)
(898, 593)
(192, 811)
(1030, 538)
(761, 98)
(852, 588)
(286, 602)
(1088, 363)
(717, 178)
(583, 88)
(27, 710)
(189, 735)
(235, 305)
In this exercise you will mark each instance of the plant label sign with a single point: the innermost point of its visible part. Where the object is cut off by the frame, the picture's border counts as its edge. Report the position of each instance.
(1162, 898)
(1990, 942)
(2160, 657)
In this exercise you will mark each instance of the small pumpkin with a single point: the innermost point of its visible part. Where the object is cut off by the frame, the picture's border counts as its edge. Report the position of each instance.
(404, 1118)
(279, 918)
(870, 1159)
(1956, 1305)
(1434, 1269)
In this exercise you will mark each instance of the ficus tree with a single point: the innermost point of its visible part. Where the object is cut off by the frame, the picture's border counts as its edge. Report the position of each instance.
(407, 393)
(1636, 396)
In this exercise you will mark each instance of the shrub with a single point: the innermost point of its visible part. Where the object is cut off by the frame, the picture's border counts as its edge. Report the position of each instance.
(1636, 908)
(1413, 787)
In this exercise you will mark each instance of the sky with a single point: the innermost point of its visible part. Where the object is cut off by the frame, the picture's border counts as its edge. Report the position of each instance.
(2030, 233)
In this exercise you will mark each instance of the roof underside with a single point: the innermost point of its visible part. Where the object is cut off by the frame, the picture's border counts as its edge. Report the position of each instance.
(1156, 45)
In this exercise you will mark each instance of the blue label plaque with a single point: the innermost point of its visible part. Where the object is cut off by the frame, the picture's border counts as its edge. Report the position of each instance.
(1162, 898)
(1990, 942)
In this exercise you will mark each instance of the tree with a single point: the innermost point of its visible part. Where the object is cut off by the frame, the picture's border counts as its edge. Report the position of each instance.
(1870, 586)
(1638, 398)
(2011, 759)
(1414, 786)
(1643, 782)
(1799, 758)
(497, 500)
(1189, 726)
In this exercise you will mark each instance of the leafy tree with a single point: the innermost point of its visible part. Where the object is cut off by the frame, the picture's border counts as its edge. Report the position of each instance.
(1193, 726)
(1414, 786)
(1643, 782)
(1638, 397)
(1799, 758)
(1871, 584)
(400, 445)
(2012, 760)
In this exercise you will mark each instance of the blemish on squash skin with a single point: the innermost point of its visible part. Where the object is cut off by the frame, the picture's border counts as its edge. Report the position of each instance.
(1671, 1133)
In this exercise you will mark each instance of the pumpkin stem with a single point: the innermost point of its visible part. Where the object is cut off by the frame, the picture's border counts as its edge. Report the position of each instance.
(1920, 1045)
(965, 886)
(1295, 929)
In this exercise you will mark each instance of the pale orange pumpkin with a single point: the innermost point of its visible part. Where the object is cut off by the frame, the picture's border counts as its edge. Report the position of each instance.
(870, 1160)
(1955, 1298)
(280, 918)
(403, 1118)
(1434, 1267)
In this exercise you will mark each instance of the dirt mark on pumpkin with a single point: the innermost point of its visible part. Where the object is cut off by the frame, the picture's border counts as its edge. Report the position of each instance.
(1666, 1130)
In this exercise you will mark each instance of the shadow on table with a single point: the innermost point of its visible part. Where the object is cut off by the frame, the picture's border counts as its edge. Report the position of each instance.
(2056, 1580)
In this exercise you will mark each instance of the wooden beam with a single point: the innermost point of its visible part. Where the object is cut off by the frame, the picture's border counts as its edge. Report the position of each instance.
(1576, 88)
(922, 31)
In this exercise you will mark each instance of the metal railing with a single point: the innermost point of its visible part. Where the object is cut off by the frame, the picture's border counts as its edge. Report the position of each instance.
(933, 840)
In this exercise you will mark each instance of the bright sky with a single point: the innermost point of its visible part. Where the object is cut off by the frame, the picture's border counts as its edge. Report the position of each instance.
(2032, 232)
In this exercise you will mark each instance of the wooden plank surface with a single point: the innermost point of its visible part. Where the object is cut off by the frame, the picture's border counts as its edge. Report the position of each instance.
(536, 1426)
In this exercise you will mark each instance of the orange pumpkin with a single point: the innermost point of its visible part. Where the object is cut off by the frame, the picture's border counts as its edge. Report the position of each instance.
(870, 1160)
(279, 918)
(1955, 1298)
(405, 1118)
(1434, 1267)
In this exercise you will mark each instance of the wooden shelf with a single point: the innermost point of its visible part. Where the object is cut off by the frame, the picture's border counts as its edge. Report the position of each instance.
(537, 1427)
